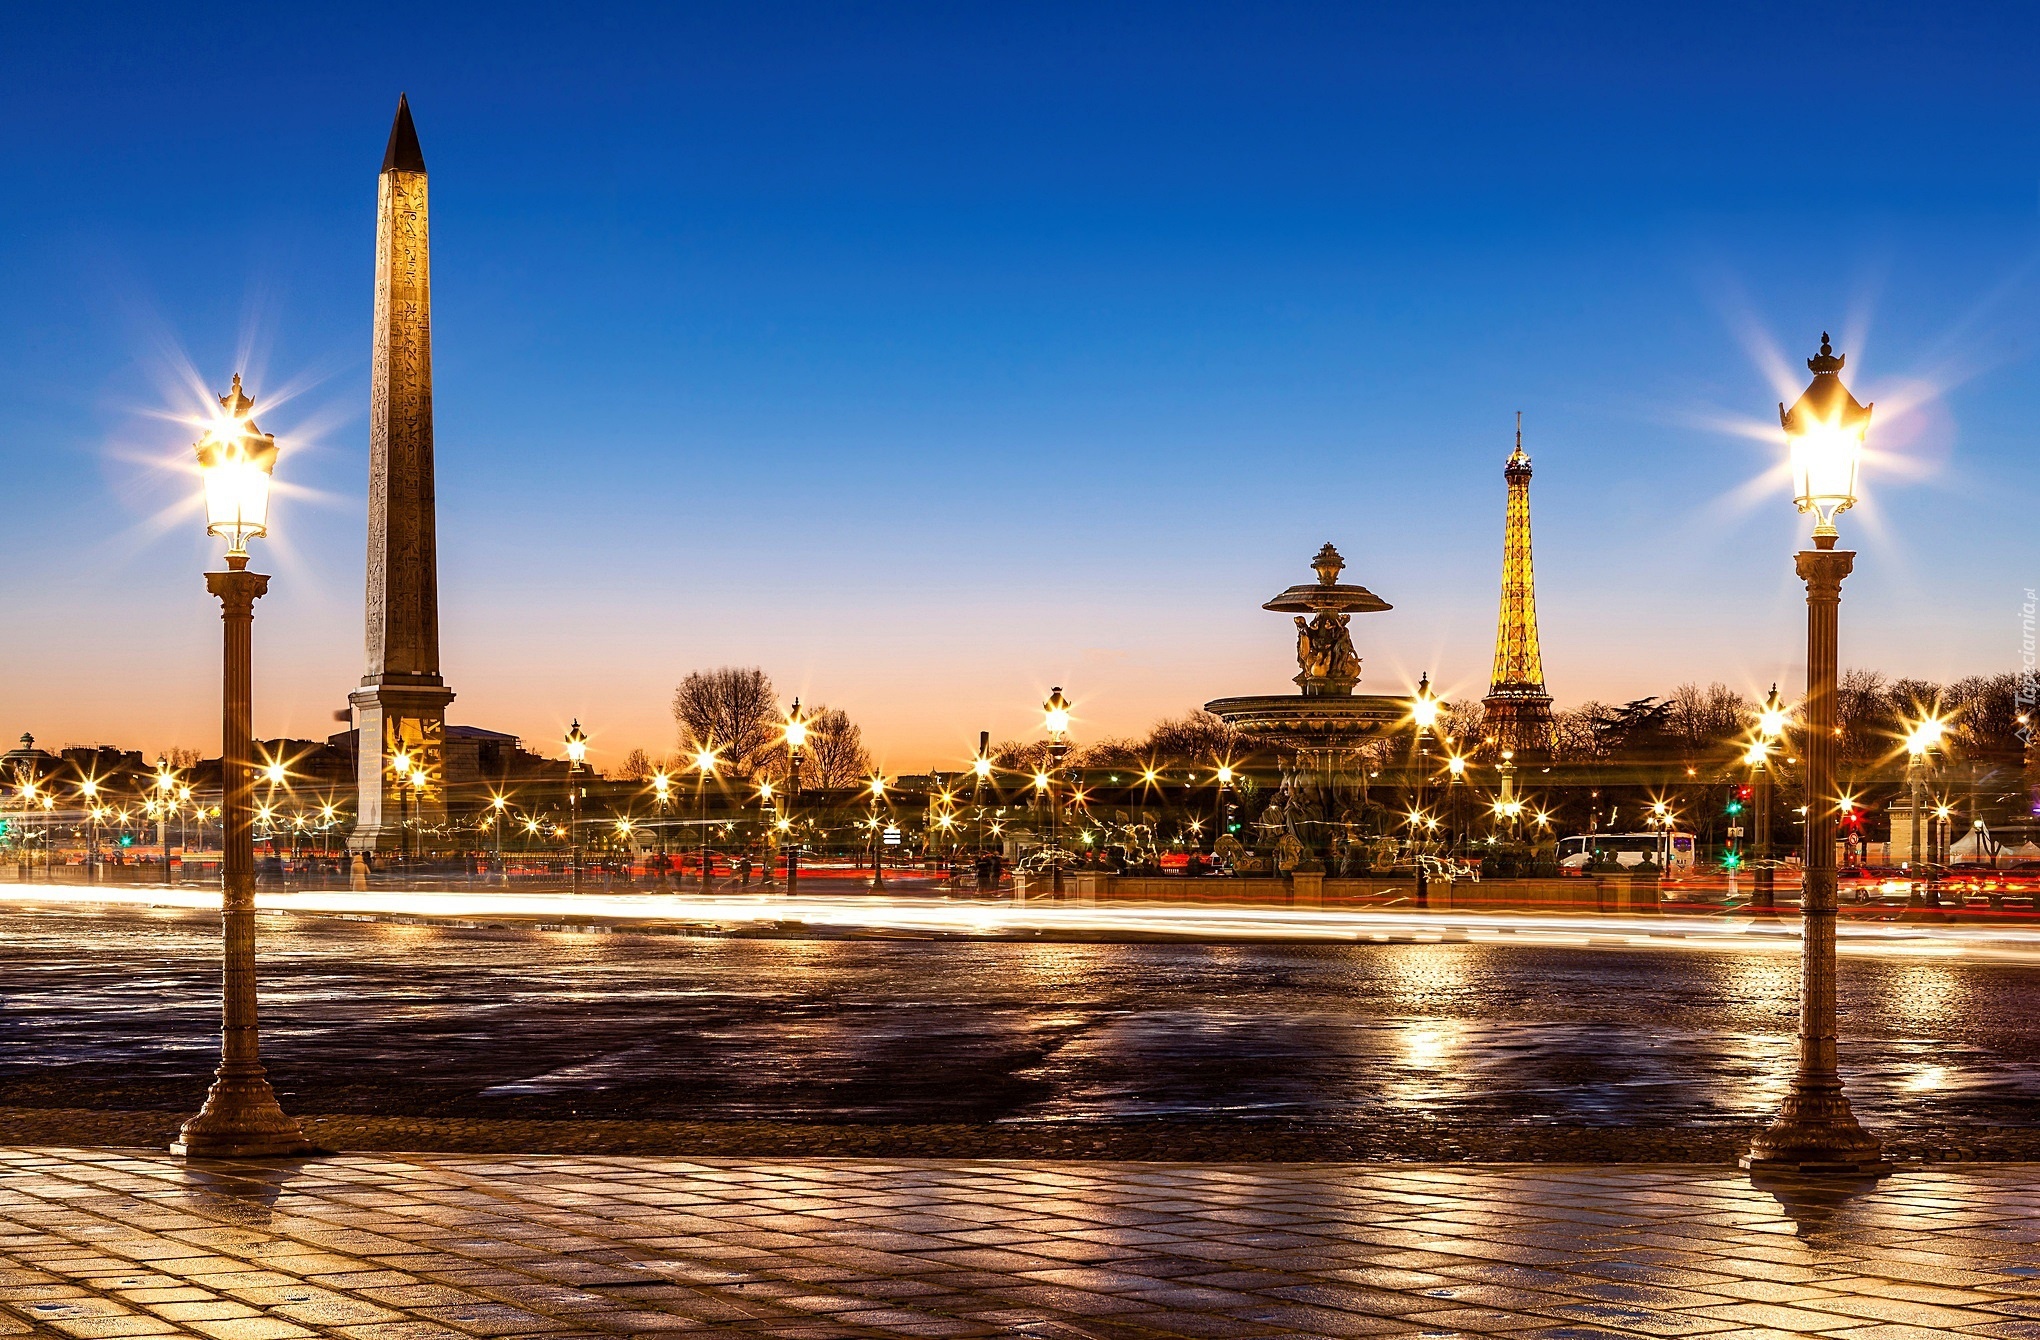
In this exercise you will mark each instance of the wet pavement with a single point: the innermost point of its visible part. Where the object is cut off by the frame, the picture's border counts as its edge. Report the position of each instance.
(423, 1247)
(117, 1010)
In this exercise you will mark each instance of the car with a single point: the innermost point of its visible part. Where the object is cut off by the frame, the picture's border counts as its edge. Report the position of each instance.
(1878, 884)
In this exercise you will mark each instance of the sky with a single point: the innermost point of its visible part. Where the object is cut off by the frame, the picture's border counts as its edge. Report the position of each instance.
(929, 356)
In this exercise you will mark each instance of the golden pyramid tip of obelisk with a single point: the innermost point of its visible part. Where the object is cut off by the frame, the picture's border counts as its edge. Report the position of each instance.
(403, 153)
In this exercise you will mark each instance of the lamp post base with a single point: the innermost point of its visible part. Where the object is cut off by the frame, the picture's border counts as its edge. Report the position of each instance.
(1817, 1135)
(241, 1119)
(1874, 1166)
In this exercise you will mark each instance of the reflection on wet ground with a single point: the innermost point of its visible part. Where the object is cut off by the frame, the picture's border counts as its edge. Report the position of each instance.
(119, 1010)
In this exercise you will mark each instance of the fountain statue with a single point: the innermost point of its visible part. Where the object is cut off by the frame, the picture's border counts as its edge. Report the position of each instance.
(1321, 733)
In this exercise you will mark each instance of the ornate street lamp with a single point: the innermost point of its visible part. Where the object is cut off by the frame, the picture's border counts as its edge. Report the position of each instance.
(704, 768)
(88, 791)
(980, 773)
(796, 750)
(1055, 719)
(1816, 1131)
(577, 763)
(400, 766)
(241, 1117)
(662, 793)
(877, 789)
(499, 805)
(1224, 777)
(1772, 719)
(1424, 716)
(1456, 765)
(166, 781)
(1924, 736)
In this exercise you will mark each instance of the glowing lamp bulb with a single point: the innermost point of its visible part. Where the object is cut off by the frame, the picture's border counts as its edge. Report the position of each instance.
(1824, 432)
(236, 461)
(1056, 714)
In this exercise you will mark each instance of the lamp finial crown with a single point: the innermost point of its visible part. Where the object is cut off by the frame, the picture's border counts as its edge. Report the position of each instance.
(234, 402)
(1827, 362)
(1328, 565)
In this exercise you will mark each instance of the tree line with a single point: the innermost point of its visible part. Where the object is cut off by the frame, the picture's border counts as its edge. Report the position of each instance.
(737, 712)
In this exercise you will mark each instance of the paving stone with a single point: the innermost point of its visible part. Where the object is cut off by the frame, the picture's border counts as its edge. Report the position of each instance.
(439, 1246)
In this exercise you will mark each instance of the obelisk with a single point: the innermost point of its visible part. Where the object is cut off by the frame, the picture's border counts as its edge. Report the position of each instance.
(400, 708)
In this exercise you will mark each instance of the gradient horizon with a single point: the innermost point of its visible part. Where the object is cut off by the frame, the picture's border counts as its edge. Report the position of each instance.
(928, 357)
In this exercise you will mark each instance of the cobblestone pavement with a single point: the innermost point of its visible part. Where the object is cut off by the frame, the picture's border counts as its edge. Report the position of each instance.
(449, 1028)
(119, 1243)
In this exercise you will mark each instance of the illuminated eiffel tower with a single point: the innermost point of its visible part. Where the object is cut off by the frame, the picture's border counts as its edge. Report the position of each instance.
(1518, 708)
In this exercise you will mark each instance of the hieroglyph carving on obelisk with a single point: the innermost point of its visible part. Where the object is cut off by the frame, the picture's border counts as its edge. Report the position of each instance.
(400, 708)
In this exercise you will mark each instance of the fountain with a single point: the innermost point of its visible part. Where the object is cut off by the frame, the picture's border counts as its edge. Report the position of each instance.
(1320, 733)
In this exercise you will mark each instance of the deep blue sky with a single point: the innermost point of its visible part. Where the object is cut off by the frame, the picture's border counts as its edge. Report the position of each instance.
(930, 355)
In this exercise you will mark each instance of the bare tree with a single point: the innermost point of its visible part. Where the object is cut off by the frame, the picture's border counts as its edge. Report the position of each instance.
(1986, 708)
(637, 766)
(1578, 735)
(1863, 715)
(1463, 724)
(183, 758)
(733, 711)
(1707, 722)
(1196, 737)
(835, 755)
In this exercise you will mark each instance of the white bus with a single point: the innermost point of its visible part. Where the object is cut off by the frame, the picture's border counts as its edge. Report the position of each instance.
(1628, 849)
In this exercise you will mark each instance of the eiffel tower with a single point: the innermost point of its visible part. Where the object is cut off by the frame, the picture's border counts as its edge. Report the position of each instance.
(1518, 708)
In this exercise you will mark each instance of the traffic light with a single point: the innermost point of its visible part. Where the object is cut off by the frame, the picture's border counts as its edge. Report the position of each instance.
(127, 839)
(1732, 861)
(1735, 807)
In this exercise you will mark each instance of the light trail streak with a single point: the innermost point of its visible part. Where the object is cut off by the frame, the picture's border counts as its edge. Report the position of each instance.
(915, 916)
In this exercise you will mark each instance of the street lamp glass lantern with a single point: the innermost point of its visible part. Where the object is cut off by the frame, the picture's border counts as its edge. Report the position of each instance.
(1424, 708)
(577, 744)
(1056, 714)
(1925, 736)
(796, 728)
(1825, 429)
(237, 461)
(1773, 717)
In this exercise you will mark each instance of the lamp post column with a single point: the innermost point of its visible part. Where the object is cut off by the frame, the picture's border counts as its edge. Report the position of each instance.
(574, 823)
(1918, 794)
(1765, 894)
(241, 1117)
(1056, 750)
(1816, 1131)
(701, 817)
